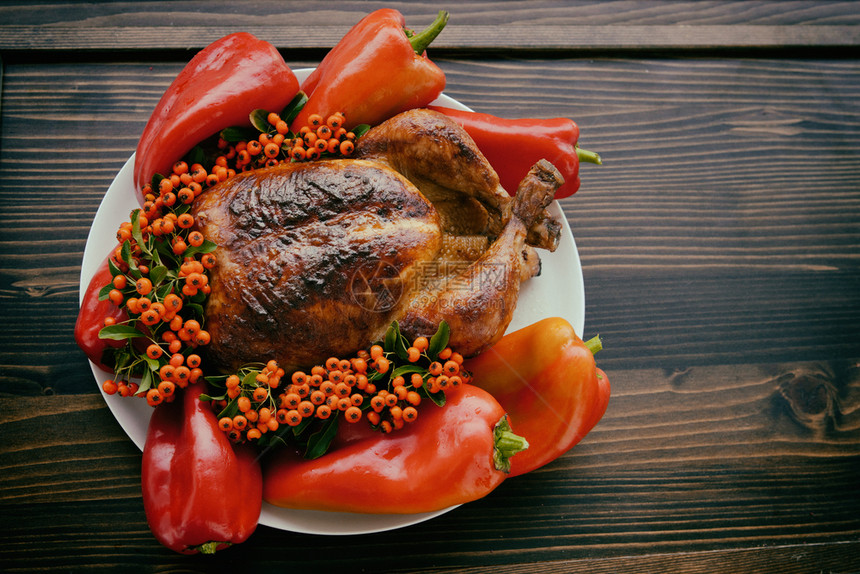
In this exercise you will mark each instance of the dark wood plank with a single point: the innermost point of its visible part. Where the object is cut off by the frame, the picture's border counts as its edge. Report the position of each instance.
(474, 25)
(683, 465)
(788, 559)
(519, 37)
(286, 13)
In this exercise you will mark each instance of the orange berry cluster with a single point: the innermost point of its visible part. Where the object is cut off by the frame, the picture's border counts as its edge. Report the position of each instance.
(158, 268)
(371, 385)
(275, 144)
(395, 392)
(248, 409)
(182, 186)
(322, 136)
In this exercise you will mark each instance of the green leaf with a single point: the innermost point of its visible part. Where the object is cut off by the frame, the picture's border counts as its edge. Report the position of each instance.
(238, 133)
(180, 209)
(438, 397)
(250, 379)
(122, 358)
(260, 120)
(114, 270)
(407, 370)
(146, 381)
(136, 233)
(320, 441)
(125, 253)
(157, 274)
(196, 308)
(390, 337)
(217, 380)
(401, 346)
(119, 332)
(156, 180)
(164, 290)
(165, 252)
(271, 440)
(196, 155)
(439, 341)
(103, 292)
(198, 299)
(289, 113)
(231, 410)
(360, 130)
(154, 364)
(207, 246)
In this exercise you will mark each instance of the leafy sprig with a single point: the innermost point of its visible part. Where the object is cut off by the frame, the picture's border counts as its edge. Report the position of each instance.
(383, 385)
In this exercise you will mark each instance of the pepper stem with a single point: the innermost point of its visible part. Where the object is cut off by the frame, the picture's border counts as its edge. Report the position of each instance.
(588, 156)
(208, 547)
(594, 344)
(421, 40)
(506, 444)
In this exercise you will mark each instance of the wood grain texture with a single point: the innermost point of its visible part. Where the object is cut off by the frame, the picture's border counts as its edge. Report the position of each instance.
(720, 244)
(683, 464)
(495, 26)
(484, 37)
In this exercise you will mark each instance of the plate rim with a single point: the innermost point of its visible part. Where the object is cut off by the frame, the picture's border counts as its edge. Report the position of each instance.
(271, 516)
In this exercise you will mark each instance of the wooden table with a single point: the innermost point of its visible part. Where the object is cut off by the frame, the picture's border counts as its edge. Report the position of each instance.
(720, 245)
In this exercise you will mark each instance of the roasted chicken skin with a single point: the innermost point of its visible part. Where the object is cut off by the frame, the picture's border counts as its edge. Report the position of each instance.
(442, 160)
(478, 300)
(313, 259)
(317, 259)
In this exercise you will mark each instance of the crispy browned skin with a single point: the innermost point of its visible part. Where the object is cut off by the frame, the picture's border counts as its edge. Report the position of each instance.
(442, 160)
(313, 259)
(478, 301)
(316, 259)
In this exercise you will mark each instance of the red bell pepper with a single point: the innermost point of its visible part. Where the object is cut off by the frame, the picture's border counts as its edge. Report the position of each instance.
(91, 318)
(545, 377)
(375, 72)
(513, 146)
(200, 493)
(218, 88)
(448, 456)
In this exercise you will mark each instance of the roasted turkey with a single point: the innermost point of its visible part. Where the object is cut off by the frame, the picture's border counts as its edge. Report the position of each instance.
(317, 259)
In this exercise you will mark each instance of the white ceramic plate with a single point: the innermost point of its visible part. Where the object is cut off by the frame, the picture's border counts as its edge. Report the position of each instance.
(557, 292)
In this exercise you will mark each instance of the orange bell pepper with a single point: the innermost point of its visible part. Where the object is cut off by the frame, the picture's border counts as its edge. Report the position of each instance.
(377, 70)
(545, 377)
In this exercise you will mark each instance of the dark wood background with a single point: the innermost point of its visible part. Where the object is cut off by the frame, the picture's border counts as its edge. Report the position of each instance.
(720, 246)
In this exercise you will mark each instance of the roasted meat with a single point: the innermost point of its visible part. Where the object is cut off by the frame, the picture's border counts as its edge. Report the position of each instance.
(313, 258)
(478, 298)
(440, 158)
(316, 259)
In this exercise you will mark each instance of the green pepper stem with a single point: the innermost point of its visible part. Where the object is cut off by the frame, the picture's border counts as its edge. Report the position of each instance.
(506, 444)
(594, 344)
(423, 39)
(588, 156)
(208, 547)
